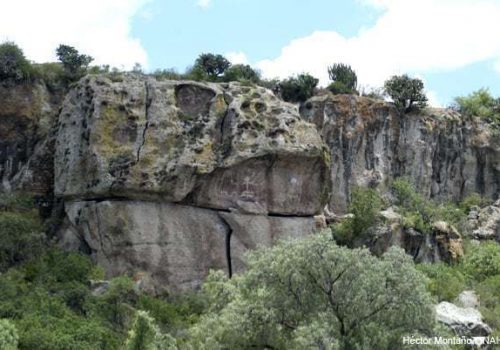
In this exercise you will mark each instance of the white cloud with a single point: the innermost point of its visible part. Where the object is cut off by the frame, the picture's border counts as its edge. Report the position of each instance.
(100, 28)
(414, 36)
(236, 57)
(204, 3)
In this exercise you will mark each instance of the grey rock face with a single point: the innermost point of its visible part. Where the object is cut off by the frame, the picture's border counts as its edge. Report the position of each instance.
(175, 245)
(208, 145)
(485, 223)
(27, 116)
(446, 156)
(464, 321)
(167, 180)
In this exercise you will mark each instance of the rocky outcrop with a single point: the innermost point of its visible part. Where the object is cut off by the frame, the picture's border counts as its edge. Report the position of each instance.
(28, 113)
(173, 179)
(445, 156)
(465, 319)
(485, 223)
(444, 243)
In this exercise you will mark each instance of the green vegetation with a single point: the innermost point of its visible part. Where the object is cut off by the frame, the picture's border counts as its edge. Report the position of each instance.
(8, 335)
(344, 79)
(145, 335)
(313, 294)
(242, 73)
(480, 104)
(407, 93)
(209, 66)
(13, 65)
(21, 230)
(365, 205)
(299, 88)
(75, 64)
(420, 213)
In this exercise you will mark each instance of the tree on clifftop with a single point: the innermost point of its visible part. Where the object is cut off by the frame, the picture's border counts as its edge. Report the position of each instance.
(210, 66)
(344, 79)
(74, 63)
(407, 93)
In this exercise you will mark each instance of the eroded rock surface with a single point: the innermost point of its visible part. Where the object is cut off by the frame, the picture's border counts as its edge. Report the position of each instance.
(445, 155)
(171, 179)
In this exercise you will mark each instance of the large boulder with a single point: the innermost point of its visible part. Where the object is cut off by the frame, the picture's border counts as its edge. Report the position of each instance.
(466, 322)
(485, 223)
(216, 146)
(167, 180)
(442, 153)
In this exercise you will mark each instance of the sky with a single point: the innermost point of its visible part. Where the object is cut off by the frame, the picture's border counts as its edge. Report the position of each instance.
(452, 45)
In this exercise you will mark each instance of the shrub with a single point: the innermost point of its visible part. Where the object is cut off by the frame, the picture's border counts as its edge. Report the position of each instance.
(407, 93)
(480, 104)
(145, 335)
(365, 205)
(472, 200)
(241, 72)
(489, 295)
(445, 282)
(167, 74)
(482, 261)
(344, 79)
(21, 238)
(308, 293)
(299, 88)
(8, 335)
(13, 65)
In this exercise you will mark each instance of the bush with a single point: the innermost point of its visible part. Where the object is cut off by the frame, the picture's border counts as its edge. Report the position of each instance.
(299, 88)
(365, 205)
(21, 238)
(482, 261)
(310, 293)
(344, 79)
(472, 200)
(407, 93)
(241, 72)
(13, 65)
(480, 104)
(8, 335)
(445, 282)
(145, 335)
(489, 295)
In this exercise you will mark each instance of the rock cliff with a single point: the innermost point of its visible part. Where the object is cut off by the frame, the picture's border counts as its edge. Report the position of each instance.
(175, 178)
(445, 155)
(168, 179)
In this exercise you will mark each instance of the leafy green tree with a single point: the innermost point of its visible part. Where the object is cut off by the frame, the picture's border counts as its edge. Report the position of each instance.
(407, 93)
(314, 294)
(365, 205)
(480, 104)
(145, 335)
(211, 66)
(241, 72)
(74, 63)
(8, 335)
(344, 79)
(299, 88)
(13, 64)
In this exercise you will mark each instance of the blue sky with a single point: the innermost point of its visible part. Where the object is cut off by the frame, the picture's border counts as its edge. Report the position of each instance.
(453, 45)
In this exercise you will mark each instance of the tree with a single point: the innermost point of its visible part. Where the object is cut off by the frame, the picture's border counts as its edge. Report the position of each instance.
(407, 93)
(74, 63)
(315, 294)
(479, 104)
(241, 72)
(211, 65)
(299, 88)
(344, 79)
(8, 335)
(145, 335)
(13, 64)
